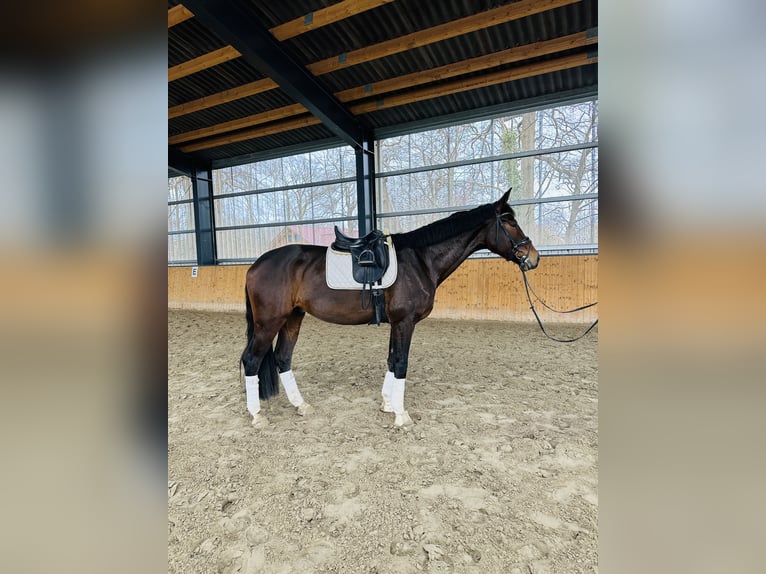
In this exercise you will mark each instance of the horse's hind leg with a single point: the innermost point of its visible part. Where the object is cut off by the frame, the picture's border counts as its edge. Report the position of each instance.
(288, 337)
(260, 370)
(251, 359)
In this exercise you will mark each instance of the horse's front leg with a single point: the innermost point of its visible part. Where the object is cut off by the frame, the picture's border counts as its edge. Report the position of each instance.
(394, 383)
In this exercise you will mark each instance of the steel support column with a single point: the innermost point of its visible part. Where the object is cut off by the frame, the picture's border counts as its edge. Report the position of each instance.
(204, 218)
(365, 184)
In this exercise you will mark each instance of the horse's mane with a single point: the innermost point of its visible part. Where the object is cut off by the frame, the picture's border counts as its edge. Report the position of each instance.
(446, 228)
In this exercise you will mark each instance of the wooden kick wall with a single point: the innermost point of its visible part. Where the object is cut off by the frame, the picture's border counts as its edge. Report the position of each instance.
(485, 289)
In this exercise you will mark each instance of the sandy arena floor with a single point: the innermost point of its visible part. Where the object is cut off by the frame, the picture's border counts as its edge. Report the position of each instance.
(498, 475)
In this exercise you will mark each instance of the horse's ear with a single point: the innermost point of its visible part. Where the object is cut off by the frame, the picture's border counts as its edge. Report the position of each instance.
(502, 201)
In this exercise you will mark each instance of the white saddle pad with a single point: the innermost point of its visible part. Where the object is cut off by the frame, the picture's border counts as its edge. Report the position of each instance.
(338, 269)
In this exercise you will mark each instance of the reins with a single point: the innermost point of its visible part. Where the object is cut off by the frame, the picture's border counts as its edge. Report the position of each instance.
(528, 288)
(521, 259)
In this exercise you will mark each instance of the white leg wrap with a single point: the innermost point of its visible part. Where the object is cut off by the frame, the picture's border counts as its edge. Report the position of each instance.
(388, 385)
(291, 388)
(251, 390)
(397, 396)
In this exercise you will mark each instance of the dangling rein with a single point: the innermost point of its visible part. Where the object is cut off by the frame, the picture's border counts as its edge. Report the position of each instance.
(528, 288)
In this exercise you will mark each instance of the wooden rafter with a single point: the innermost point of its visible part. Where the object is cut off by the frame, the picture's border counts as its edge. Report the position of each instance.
(203, 62)
(472, 65)
(262, 118)
(400, 82)
(276, 128)
(499, 15)
(290, 29)
(465, 84)
(456, 86)
(243, 91)
(407, 81)
(323, 17)
(421, 38)
(178, 14)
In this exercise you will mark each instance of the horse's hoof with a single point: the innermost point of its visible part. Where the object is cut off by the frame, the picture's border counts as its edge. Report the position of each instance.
(403, 420)
(305, 409)
(386, 407)
(260, 421)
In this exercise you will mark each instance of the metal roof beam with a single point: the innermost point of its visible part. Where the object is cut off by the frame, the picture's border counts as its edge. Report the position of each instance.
(574, 96)
(180, 163)
(242, 30)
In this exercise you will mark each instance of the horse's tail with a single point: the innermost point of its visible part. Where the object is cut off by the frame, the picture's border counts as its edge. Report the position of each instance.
(268, 379)
(249, 318)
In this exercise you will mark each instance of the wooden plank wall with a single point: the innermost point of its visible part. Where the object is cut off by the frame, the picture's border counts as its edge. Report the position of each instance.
(485, 289)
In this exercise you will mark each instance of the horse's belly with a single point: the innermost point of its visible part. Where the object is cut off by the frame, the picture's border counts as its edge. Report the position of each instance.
(340, 307)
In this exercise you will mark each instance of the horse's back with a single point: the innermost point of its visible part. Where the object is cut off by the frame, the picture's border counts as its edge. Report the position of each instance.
(287, 257)
(285, 266)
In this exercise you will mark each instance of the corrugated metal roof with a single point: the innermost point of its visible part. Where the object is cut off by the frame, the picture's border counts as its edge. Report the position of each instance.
(464, 47)
(269, 143)
(230, 111)
(191, 39)
(275, 13)
(384, 23)
(511, 93)
(213, 80)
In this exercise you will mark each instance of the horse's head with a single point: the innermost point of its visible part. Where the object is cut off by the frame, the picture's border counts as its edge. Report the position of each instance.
(508, 240)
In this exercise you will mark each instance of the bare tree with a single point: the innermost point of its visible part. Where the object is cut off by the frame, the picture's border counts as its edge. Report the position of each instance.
(573, 172)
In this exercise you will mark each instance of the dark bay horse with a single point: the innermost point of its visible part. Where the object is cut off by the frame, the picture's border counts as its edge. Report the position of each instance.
(286, 283)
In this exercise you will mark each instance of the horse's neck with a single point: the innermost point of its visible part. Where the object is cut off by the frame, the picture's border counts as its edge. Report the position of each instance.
(445, 257)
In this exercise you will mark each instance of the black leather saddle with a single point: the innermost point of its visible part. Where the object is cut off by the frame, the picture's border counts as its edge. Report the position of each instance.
(369, 254)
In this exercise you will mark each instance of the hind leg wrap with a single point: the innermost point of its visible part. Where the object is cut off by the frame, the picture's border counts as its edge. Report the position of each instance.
(251, 392)
(291, 388)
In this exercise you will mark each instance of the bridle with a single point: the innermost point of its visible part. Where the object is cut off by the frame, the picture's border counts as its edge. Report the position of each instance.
(521, 259)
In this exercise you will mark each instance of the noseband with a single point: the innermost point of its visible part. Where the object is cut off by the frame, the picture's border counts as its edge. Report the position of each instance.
(524, 241)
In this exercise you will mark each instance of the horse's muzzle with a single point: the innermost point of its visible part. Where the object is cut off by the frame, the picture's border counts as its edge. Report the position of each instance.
(530, 260)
